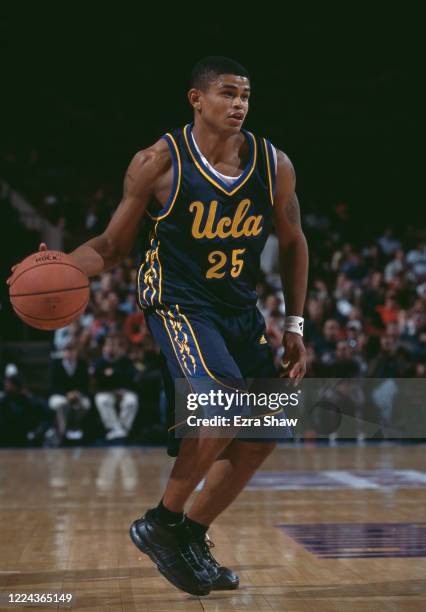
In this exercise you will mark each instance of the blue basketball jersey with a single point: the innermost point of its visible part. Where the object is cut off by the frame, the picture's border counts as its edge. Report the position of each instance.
(203, 248)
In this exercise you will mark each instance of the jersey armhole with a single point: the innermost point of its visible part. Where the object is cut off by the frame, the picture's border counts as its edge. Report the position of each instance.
(176, 164)
(271, 168)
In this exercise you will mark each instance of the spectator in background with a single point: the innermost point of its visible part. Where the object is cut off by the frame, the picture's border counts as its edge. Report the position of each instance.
(128, 303)
(353, 331)
(325, 347)
(373, 257)
(314, 318)
(416, 258)
(354, 268)
(65, 335)
(395, 266)
(115, 398)
(24, 418)
(389, 311)
(134, 327)
(345, 365)
(390, 361)
(106, 316)
(388, 243)
(374, 293)
(69, 388)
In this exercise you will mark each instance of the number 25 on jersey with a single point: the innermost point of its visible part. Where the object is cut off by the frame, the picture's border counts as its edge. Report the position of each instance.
(219, 259)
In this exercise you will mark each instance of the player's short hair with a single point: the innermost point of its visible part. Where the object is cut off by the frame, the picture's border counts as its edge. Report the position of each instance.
(209, 68)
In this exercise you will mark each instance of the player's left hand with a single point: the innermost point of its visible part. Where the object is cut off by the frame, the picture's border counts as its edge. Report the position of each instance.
(42, 247)
(294, 360)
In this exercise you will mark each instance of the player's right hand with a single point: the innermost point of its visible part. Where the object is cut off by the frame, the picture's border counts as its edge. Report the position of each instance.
(294, 361)
(42, 247)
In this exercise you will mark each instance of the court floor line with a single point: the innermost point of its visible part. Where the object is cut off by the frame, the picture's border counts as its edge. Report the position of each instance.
(355, 482)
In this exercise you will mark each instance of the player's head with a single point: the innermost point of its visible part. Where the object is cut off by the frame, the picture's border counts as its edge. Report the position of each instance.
(219, 92)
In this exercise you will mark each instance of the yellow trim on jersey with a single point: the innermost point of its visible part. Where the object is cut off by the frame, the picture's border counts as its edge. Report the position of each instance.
(211, 179)
(183, 345)
(150, 274)
(139, 287)
(169, 210)
(148, 253)
(177, 356)
(160, 282)
(268, 165)
(161, 314)
(212, 376)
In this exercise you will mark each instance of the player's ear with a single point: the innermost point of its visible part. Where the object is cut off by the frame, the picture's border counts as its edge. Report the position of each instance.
(194, 97)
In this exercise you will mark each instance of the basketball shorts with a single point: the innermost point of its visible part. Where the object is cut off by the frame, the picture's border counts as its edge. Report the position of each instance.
(199, 344)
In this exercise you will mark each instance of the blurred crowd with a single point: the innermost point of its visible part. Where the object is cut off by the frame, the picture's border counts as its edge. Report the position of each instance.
(101, 389)
(365, 311)
(365, 316)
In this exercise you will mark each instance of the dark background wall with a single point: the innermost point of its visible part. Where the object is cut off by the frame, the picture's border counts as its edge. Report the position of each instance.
(335, 88)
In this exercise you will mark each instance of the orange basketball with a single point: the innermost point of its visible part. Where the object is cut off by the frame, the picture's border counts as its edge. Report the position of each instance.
(48, 290)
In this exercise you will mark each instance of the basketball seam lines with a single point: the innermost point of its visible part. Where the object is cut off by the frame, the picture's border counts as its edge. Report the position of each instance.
(50, 318)
(46, 292)
(45, 264)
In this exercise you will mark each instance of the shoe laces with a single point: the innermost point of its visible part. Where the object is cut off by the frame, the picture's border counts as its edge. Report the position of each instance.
(207, 545)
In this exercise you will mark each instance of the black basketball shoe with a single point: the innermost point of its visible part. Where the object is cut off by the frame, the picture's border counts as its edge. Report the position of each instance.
(223, 579)
(178, 557)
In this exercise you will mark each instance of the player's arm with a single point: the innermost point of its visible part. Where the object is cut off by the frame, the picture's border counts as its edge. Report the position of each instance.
(114, 244)
(293, 253)
(145, 172)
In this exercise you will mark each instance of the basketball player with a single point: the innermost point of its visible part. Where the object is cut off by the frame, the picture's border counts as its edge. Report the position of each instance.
(209, 193)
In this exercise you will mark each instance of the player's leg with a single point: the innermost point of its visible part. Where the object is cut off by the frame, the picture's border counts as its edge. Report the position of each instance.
(194, 349)
(200, 354)
(196, 456)
(227, 477)
(238, 462)
(241, 459)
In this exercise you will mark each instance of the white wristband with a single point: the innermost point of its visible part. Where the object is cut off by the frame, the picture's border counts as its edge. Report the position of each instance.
(294, 324)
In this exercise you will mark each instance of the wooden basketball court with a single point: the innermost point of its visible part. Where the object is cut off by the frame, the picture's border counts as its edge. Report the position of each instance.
(319, 529)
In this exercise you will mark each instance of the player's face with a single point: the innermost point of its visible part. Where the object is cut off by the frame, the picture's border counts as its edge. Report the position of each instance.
(224, 104)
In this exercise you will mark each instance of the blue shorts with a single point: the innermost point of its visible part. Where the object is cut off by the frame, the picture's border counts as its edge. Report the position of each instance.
(196, 344)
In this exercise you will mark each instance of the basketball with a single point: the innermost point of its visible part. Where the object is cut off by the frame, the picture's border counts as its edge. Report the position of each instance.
(48, 290)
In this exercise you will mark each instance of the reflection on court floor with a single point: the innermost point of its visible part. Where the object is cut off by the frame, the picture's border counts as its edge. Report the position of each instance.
(339, 479)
